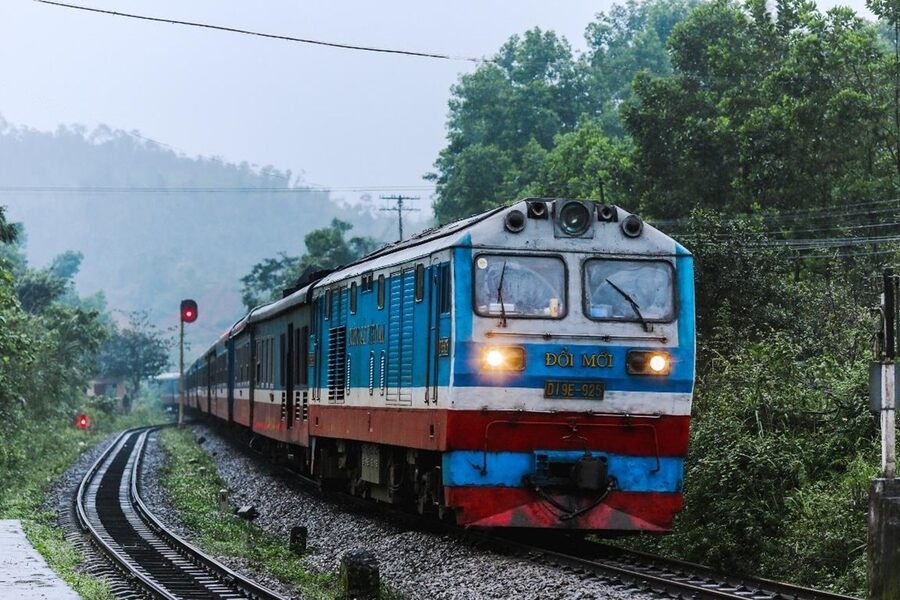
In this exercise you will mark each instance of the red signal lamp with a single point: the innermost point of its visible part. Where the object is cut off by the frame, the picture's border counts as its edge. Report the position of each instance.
(82, 421)
(188, 311)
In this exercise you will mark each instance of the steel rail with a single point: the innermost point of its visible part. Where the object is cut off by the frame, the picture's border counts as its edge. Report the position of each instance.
(777, 589)
(235, 579)
(197, 569)
(120, 559)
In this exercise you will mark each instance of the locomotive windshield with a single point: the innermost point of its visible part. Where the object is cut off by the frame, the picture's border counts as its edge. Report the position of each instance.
(520, 286)
(629, 290)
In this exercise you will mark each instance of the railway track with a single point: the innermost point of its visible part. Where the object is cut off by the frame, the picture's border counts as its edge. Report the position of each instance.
(110, 509)
(664, 576)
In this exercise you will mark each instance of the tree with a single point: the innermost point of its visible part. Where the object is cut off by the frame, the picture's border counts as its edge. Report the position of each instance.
(585, 163)
(8, 231)
(265, 278)
(531, 91)
(326, 248)
(135, 352)
(782, 111)
(630, 38)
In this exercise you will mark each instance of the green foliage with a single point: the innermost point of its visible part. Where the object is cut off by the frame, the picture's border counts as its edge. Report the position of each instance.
(501, 113)
(24, 481)
(326, 248)
(793, 110)
(7, 230)
(536, 95)
(135, 352)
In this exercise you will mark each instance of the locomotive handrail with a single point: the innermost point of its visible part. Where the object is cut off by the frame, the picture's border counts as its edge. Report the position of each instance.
(579, 336)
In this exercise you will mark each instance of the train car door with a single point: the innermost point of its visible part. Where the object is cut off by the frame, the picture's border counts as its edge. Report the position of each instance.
(287, 366)
(401, 332)
(433, 297)
(210, 379)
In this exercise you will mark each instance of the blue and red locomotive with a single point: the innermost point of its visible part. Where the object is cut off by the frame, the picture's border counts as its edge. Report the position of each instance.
(532, 366)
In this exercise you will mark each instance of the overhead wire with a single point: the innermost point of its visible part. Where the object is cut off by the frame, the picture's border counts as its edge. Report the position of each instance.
(287, 38)
(205, 190)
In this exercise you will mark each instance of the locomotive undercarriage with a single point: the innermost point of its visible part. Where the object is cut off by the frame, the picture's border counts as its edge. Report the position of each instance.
(389, 474)
(393, 475)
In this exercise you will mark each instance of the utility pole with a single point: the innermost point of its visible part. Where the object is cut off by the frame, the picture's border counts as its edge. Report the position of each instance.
(884, 497)
(399, 208)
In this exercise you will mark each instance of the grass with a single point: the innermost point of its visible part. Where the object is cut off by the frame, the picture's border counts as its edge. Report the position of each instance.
(191, 480)
(32, 457)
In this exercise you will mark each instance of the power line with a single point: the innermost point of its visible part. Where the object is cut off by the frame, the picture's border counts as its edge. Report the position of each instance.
(268, 35)
(13, 189)
(399, 209)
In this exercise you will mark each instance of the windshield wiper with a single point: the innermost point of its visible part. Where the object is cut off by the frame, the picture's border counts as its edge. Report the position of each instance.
(500, 296)
(632, 302)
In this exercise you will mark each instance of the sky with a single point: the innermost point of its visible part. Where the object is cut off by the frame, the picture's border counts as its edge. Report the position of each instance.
(338, 118)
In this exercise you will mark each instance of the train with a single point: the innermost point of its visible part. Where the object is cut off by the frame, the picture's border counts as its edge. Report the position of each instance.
(529, 367)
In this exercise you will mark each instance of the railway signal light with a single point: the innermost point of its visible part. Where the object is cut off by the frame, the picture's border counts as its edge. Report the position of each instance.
(188, 311)
(82, 421)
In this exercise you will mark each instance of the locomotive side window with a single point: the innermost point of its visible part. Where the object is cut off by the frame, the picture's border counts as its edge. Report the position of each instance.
(446, 292)
(629, 290)
(420, 282)
(519, 286)
(353, 298)
(380, 292)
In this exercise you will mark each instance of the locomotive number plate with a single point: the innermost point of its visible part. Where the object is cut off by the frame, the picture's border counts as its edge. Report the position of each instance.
(573, 389)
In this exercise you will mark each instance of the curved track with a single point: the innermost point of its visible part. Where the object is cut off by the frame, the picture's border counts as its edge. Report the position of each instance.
(109, 507)
(667, 577)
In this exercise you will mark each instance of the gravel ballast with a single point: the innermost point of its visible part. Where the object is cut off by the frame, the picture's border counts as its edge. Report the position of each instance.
(420, 565)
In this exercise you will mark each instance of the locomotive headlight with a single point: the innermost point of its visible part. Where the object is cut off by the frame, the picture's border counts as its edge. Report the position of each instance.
(503, 358)
(659, 363)
(574, 218)
(643, 362)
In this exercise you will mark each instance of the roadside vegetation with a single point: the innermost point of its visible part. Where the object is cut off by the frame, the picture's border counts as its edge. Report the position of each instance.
(52, 342)
(190, 478)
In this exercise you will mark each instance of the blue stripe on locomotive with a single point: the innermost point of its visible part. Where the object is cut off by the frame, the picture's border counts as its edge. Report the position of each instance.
(506, 469)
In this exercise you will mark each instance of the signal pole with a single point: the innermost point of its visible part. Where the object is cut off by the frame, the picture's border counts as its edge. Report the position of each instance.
(181, 374)
(884, 496)
(188, 315)
(400, 209)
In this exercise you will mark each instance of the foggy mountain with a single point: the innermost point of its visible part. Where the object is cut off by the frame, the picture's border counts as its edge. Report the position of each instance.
(146, 249)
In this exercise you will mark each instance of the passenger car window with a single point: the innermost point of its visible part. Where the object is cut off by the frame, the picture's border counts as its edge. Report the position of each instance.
(520, 286)
(629, 290)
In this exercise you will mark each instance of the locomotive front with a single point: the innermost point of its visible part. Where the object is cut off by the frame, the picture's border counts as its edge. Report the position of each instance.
(572, 370)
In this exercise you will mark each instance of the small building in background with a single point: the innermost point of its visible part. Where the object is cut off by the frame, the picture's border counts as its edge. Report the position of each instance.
(111, 387)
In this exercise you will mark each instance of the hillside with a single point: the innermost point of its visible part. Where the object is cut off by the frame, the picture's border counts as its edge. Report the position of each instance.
(148, 248)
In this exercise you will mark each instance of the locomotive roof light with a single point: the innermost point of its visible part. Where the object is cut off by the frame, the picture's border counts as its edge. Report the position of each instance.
(574, 218)
(515, 221)
(632, 226)
(537, 209)
(606, 213)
